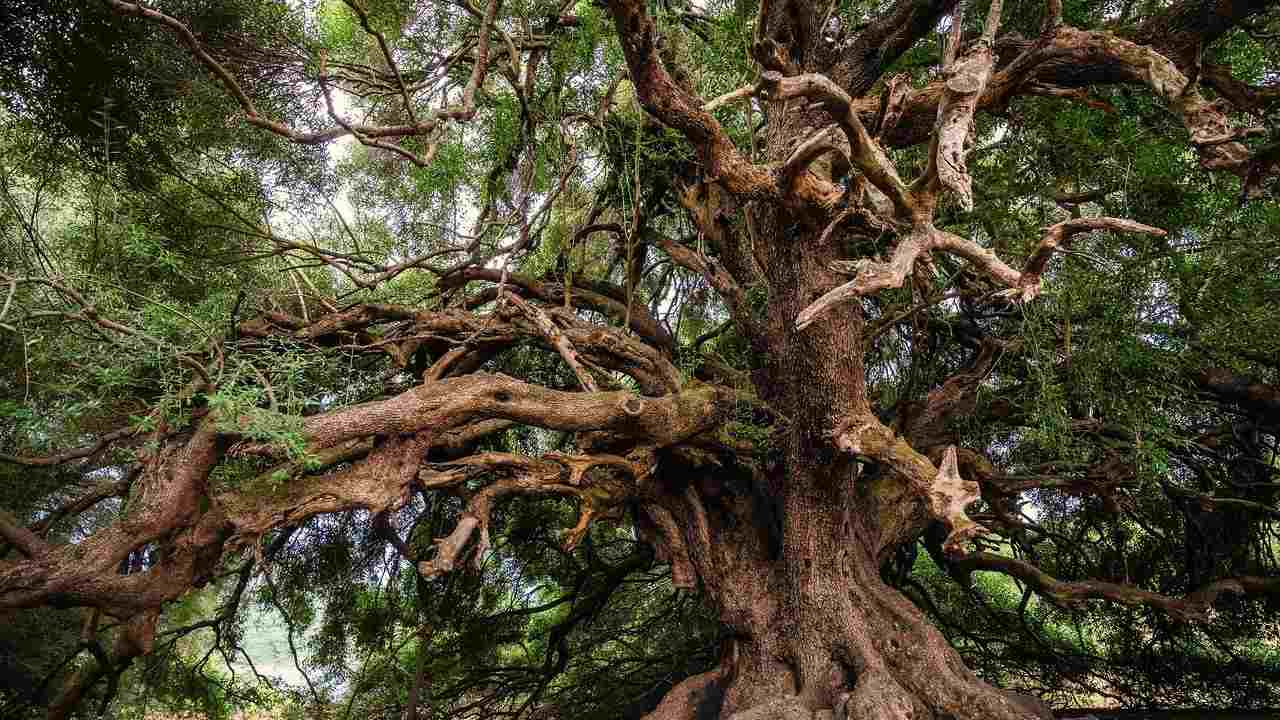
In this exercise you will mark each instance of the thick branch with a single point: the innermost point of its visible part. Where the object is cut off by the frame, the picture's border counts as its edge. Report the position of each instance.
(459, 330)
(165, 506)
(873, 276)
(453, 402)
(1244, 96)
(966, 81)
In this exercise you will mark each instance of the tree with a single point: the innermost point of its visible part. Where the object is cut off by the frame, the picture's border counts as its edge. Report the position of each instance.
(777, 340)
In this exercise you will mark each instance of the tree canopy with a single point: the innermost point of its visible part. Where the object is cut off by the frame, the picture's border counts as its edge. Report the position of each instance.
(623, 359)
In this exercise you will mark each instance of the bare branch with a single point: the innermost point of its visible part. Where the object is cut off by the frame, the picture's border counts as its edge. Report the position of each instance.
(865, 153)
(743, 93)
(945, 493)
(966, 80)
(1060, 236)
(896, 90)
(557, 340)
(872, 276)
(1192, 608)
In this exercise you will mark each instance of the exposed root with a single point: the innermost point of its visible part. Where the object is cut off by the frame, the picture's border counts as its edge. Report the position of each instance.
(784, 708)
(877, 696)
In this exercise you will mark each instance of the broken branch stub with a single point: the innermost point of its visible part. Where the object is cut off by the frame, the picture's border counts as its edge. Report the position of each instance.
(944, 492)
(949, 495)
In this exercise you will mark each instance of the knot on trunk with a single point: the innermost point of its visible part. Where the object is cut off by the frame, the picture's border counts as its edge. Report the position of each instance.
(633, 406)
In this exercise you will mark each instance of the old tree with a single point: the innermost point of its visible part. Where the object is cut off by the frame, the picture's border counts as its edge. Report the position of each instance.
(556, 359)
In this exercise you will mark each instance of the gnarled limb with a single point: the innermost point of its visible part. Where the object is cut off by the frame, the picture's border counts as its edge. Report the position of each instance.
(1244, 96)
(165, 505)
(926, 426)
(944, 492)
(1194, 607)
(1069, 60)
(949, 495)
(659, 93)
(966, 80)
(459, 330)
(1180, 30)
(669, 544)
(896, 90)
(134, 639)
(453, 402)
(552, 474)
(865, 153)
(874, 276)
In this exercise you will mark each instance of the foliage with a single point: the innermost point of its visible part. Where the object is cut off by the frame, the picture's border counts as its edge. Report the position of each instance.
(183, 224)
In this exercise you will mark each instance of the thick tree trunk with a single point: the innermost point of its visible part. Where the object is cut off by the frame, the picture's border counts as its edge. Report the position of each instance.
(818, 630)
(814, 627)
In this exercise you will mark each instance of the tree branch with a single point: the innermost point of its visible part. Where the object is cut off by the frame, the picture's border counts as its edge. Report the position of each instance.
(864, 152)
(558, 341)
(1194, 607)
(966, 80)
(465, 110)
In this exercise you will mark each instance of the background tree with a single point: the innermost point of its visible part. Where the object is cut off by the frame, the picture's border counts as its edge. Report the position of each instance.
(555, 360)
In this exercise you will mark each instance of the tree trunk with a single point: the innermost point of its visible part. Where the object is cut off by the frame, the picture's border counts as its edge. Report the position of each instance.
(817, 629)
(814, 627)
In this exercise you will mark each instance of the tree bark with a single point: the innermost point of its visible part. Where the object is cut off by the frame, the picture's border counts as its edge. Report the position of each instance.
(814, 627)
(787, 544)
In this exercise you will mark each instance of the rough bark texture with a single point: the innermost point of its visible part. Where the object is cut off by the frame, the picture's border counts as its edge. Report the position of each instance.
(791, 564)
